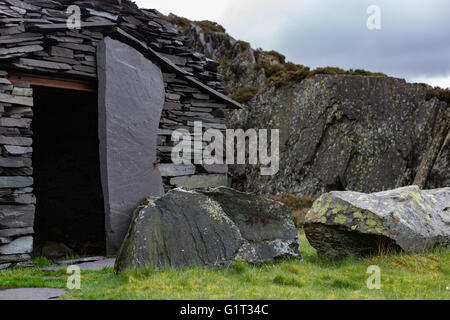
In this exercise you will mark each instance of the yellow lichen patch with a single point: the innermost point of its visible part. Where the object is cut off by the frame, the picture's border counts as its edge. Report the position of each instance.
(358, 215)
(214, 209)
(371, 223)
(340, 219)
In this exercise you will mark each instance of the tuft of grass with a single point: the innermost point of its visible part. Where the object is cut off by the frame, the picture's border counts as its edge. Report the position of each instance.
(210, 26)
(280, 73)
(184, 24)
(245, 94)
(42, 262)
(284, 280)
(334, 70)
(243, 45)
(441, 94)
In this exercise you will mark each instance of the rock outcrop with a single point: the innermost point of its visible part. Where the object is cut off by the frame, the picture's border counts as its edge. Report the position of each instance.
(340, 132)
(208, 228)
(349, 223)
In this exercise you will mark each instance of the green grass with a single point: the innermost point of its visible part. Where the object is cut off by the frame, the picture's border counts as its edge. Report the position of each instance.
(404, 276)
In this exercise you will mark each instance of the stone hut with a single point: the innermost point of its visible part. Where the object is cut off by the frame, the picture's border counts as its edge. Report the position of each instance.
(86, 118)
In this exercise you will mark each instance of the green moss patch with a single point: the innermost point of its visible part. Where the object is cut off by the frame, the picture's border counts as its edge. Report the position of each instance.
(245, 94)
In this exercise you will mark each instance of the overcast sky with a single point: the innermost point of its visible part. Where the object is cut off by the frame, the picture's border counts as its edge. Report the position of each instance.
(413, 43)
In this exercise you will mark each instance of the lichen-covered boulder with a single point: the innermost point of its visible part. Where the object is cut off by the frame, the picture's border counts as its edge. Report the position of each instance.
(208, 228)
(350, 223)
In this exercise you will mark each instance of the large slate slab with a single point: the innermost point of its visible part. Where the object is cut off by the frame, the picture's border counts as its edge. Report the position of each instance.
(131, 98)
(90, 266)
(351, 223)
(208, 228)
(200, 181)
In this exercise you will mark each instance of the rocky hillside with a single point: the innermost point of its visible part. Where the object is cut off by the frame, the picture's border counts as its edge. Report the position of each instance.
(340, 130)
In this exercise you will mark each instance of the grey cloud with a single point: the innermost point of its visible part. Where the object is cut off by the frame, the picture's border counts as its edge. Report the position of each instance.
(414, 40)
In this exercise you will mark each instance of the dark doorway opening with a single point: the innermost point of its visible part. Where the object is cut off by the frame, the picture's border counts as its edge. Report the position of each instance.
(67, 185)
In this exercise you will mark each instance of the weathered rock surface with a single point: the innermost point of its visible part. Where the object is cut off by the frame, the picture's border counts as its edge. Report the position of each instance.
(208, 228)
(128, 133)
(350, 223)
(340, 132)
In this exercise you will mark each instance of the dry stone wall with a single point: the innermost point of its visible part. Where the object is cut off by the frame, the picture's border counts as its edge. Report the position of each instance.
(35, 39)
(17, 202)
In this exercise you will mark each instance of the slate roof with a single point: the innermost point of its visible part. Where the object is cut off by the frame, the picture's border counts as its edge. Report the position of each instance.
(34, 38)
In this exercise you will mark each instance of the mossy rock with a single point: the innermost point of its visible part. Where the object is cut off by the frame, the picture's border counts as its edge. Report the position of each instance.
(350, 223)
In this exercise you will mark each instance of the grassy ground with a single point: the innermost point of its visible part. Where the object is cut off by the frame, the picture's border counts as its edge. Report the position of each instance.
(403, 277)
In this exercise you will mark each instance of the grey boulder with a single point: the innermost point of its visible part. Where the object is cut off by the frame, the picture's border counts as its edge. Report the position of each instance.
(212, 227)
(350, 223)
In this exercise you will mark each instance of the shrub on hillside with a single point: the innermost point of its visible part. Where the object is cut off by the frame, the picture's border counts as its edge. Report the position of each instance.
(245, 94)
(441, 94)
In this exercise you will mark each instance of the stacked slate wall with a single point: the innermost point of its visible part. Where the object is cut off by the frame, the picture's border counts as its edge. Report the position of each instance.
(183, 107)
(17, 202)
(34, 39)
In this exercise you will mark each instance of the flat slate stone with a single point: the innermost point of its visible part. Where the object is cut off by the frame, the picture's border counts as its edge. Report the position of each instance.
(16, 150)
(15, 162)
(81, 260)
(173, 170)
(31, 294)
(61, 52)
(131, 99)
(25, 92)
(215, 168)
(19, 246)
(200, 181)
(15, 141)
(24, 49)
(16, 123)
(20, 216)
(7, 98)
(15, 258)
(90, 266)
(16, 232)
(45, 64)
(15, 182)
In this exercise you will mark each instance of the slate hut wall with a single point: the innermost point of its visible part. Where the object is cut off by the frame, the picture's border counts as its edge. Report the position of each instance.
(34, 39)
